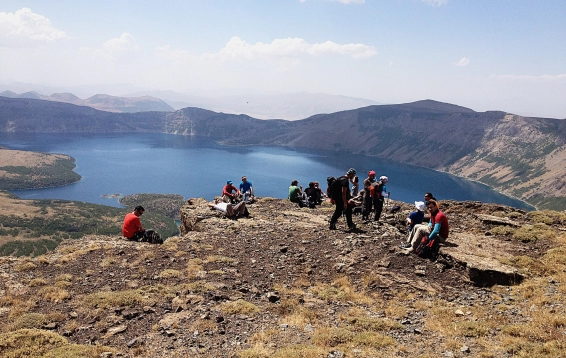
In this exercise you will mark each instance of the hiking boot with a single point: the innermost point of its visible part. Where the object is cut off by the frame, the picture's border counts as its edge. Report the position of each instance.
(352, 226)
(405, 245)
(332, 226)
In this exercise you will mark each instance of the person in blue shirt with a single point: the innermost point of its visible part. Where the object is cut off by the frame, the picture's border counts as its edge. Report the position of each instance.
(247, 189)
(417, 216)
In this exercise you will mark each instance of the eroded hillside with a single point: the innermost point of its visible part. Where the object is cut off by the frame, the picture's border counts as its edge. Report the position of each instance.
(280, 284)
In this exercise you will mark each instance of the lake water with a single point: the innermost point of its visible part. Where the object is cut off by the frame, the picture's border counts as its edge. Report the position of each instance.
(196, 167)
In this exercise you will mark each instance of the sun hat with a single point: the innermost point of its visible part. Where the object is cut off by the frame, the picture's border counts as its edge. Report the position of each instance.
(383, 178)
(419, 205)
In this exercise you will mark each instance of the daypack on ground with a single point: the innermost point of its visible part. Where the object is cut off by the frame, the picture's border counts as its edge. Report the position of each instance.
(152, 237)
(428, 248)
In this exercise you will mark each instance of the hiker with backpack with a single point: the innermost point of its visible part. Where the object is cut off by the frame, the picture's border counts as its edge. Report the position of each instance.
(133, 230)
(369, 199)
(339, 191)
(437, 228)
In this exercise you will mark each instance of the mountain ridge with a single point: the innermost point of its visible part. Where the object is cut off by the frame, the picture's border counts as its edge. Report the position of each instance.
(520, 156)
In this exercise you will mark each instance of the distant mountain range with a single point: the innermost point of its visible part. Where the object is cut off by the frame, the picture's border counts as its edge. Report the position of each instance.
(101, 102)
(520, 156)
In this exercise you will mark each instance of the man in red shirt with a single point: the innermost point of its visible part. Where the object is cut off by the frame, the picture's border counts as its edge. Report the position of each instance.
(230, 193)
(436, 228)
(132, 228)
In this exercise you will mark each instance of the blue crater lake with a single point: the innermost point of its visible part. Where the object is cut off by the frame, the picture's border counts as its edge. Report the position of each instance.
(197, 167)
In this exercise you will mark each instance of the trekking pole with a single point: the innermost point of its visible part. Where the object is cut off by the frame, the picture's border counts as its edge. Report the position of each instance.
(388, 197)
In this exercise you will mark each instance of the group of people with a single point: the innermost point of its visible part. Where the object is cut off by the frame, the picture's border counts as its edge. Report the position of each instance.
(311, 197)
(370, 199)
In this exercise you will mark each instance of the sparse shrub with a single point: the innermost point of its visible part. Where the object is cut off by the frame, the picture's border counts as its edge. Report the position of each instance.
(472, 329)
(29, 320)
(37, 282)
(372, 339)
(107, 299)
(29, 343)
(64, 277)
(199, 286)
(216, 272)
(218, 258)
(170, 273)
(502, 230)
(300, 350)
(25, 266)
(373, 324)
(540, 217)
(331, 337)
(54, 293)
(239, 307)
(531, 233)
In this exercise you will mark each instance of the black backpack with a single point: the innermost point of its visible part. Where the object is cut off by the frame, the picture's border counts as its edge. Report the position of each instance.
(152, 237)
(428, 248)
(335, 189)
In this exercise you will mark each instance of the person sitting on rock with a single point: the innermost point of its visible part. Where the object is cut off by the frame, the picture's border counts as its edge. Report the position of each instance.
(437, 228)
(296, 193)
(133, 230)
(320, 193)
(428, 197)
(312, 195)
(247, 190)
(229, 193)
(231, 211)
(417, 216)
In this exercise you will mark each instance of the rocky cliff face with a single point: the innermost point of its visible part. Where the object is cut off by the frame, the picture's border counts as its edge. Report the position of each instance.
(280, 284)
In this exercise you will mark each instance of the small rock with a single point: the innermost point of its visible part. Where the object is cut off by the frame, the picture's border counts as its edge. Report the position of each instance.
(73, 314)
(459, 313)
(284, 326)
(132, 343)
(417, 331)
(308, 328)
(51, 325)
(465, 349)
(105, 354)
(420, 272)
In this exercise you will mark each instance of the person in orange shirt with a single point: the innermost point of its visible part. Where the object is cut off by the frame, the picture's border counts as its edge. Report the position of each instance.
(132, 228)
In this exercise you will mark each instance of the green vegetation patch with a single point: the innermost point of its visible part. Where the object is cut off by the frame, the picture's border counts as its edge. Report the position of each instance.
(531, 233)
(48, 175)
(168, 205)
(62, 219)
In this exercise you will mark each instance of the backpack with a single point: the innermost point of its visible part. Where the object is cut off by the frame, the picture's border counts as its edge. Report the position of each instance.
(335, 189)
(152, 237)
(428, 248)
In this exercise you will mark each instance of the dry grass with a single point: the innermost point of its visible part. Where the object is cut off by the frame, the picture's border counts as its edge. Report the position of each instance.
(37, 282)
(170, 273)
(239, 307)
(218, 258)
(341, 290)
(25, 266)
(53, 293)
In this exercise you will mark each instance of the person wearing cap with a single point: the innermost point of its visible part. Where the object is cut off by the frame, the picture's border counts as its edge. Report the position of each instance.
(341, 194)
(230, 193)
(369, 199)
(247, 189)
(417, 216)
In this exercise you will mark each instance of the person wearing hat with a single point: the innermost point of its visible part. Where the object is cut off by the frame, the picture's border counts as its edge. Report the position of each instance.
(369, 199)
(417, 216)
(340, 192)
(247, 189)
(230, 193)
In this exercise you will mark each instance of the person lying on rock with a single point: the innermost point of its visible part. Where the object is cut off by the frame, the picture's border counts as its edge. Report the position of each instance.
(436, 228)
(133, 230)
(230, 210)
(230, 193)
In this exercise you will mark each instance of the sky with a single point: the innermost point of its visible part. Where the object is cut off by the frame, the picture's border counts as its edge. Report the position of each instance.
(507, 55)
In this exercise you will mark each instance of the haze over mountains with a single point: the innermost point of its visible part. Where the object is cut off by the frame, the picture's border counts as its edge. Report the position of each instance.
(262, 105)
(520, 156)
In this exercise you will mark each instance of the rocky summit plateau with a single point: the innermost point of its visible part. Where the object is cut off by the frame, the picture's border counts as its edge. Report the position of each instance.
(281, 284)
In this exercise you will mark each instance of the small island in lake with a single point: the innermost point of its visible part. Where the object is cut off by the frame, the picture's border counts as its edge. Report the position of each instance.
(111, 196)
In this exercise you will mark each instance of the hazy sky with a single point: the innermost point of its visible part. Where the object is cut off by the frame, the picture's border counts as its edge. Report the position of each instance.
(484, 54)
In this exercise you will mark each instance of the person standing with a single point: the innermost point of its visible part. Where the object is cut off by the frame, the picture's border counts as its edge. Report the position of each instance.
(340, 192)
(369, 200)
(247, 189)
(381, 193)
